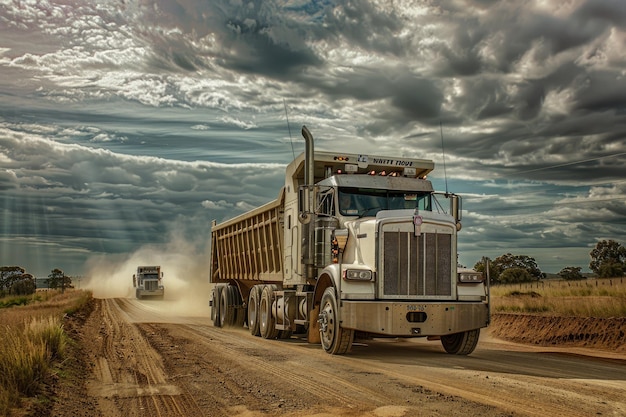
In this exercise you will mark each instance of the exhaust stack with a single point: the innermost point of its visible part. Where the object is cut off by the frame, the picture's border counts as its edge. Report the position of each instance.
(307, 204)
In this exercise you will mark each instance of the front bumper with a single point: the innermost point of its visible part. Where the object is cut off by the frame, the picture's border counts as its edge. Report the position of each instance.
(399, 318)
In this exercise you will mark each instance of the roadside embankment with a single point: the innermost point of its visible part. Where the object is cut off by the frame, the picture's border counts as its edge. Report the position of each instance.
(597, 333)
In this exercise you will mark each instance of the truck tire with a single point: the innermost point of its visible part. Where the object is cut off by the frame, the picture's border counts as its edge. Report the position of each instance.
(254, 302)
(227, 307)
(462, 343)
(267, 323)
(138, 294)
(216, 295)
(335, 339)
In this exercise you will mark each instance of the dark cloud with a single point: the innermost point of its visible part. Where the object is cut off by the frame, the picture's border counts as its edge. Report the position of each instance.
(123, 120)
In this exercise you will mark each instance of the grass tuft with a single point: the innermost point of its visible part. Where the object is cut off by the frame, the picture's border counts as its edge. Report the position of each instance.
(33, 342)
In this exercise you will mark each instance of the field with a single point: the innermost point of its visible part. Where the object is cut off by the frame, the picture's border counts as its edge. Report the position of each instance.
(598, 298)
(33, 343)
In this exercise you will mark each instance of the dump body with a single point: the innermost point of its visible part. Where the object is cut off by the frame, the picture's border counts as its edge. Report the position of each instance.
(148, 282)
(249, 247)
(354, 244)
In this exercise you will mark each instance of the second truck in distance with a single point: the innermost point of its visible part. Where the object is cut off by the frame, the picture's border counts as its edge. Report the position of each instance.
(147, 282)
(354, 245)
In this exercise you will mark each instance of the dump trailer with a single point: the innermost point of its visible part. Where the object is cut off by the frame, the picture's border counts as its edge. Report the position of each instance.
(354, 246)
(147, 282)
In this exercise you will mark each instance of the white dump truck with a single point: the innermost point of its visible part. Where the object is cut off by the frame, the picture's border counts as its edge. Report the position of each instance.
(147, 282)
(354, 245)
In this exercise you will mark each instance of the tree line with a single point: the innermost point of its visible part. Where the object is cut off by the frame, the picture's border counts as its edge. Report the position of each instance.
(14, 280)
(608, 259)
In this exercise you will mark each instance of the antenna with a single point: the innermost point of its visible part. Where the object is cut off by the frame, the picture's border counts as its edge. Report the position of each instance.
(289, 129)
(445, 174)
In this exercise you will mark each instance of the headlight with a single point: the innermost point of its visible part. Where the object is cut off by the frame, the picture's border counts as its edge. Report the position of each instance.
(358, 274)
(472, 276)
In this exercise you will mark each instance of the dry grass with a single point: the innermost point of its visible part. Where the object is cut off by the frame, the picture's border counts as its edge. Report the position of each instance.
(32, 341)
(601, 298)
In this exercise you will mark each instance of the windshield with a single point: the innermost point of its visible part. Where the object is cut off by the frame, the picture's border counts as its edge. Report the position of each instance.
(367, 202)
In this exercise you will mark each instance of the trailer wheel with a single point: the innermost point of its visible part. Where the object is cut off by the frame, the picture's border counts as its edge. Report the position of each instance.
(227, 308)
(254, 302)
(267, 323)
(216, 296)
(335, 339)
(462, 343)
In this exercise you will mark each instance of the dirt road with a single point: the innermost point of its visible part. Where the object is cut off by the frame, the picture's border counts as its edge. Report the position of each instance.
(147, 359)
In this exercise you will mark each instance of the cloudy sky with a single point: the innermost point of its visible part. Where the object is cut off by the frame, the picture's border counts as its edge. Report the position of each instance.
(128, 125)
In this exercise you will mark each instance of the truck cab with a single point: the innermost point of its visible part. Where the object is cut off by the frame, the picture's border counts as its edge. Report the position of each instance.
(148, 282)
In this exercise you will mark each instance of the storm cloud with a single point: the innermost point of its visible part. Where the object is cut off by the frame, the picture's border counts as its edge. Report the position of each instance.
(126, 122)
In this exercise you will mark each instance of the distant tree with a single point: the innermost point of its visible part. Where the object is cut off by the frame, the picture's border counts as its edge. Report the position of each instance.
(10, 276)
(611, 269)
(508, 261)
(608, 257)
(480, 267)
(58, 279)
(571, 273)
(515, 275)
(25, 286)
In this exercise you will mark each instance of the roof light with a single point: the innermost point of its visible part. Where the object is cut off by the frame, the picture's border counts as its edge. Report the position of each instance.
(352, 168)
(410, 172)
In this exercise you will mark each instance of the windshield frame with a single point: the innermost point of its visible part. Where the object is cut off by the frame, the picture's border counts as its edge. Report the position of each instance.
(356, 201)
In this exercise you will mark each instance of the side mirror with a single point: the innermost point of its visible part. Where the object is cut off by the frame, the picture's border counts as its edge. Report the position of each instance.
(305, 196)
(457, 209)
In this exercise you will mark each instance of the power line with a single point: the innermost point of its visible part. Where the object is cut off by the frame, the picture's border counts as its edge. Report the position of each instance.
(547, 205)
(289, 128)
(565, 164)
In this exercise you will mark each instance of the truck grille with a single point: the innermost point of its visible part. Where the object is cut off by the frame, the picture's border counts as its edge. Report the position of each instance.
(417, 265)
(151, 285)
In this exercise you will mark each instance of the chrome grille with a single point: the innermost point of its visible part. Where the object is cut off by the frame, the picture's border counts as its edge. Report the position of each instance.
(151, 285)
(417, 265)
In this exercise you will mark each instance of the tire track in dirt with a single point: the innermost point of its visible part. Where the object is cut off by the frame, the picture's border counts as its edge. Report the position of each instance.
(311, 382)
(228, 372)
(128, 376)
(284, 369)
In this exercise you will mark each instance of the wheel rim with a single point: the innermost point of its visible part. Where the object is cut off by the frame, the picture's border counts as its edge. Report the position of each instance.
(223, 306)
(252, 314)
(327, 325)
(253, 310)
(264, 312)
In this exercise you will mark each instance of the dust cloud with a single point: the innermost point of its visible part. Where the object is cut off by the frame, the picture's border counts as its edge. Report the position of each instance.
(185, 275)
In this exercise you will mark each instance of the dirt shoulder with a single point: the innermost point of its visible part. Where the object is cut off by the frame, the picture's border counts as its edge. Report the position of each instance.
(603, 334)
(122, 367)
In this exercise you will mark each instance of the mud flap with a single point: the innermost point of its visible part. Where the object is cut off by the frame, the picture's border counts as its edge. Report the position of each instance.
(314, 326)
